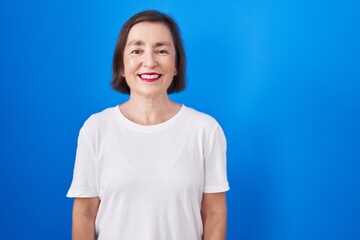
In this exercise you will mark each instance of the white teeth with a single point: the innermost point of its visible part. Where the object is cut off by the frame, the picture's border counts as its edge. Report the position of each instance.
(147, 76)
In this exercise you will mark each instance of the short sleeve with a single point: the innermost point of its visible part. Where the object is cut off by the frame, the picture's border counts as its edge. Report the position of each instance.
(84, 177)
(215, 163)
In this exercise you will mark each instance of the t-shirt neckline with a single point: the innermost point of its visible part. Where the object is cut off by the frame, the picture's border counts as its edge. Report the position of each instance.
(148, 128)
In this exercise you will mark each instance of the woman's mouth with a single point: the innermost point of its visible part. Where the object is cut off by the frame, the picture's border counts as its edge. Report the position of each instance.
(149, 77)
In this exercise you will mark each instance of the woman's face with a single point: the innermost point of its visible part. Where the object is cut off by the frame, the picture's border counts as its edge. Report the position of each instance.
(149, 59)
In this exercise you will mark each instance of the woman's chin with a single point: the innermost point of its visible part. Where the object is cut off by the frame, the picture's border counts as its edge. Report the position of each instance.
(149, 92)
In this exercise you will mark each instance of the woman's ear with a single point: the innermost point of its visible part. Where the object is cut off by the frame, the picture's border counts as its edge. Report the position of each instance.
(175, 72)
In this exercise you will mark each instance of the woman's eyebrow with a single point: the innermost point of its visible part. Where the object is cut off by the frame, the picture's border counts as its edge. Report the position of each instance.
(136, 43)
(142, 43)
(164, 43)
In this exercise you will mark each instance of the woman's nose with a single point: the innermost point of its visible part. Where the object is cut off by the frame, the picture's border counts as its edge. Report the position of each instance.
(149, 60)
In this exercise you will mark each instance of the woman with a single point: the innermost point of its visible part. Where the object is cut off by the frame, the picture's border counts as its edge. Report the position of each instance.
(149, 168)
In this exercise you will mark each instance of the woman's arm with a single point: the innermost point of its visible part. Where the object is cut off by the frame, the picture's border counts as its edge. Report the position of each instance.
(213, 212)
(84, 215)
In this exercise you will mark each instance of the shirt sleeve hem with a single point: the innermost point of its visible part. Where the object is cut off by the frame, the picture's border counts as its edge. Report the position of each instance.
(216, 189)
(81, 194)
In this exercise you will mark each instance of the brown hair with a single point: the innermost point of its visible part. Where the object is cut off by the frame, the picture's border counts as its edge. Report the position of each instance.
(118, 82)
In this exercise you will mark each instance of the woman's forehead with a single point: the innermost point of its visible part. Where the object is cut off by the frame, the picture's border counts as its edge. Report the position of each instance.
(149, 32)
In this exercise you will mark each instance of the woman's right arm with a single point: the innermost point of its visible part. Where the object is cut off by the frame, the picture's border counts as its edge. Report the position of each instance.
(84, 215)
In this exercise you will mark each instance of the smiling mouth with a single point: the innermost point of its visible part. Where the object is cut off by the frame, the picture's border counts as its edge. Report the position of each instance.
(149, 77)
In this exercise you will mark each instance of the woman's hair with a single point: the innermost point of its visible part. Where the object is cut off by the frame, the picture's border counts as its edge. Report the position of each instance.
(118, 81)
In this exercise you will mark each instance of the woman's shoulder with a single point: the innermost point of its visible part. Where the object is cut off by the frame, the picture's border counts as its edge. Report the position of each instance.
(202, 118)
(100, 119)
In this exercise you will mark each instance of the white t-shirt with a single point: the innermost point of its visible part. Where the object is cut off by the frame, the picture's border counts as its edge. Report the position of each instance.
(150, 179)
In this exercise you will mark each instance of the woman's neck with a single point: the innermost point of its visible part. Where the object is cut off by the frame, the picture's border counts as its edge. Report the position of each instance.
(149, 111)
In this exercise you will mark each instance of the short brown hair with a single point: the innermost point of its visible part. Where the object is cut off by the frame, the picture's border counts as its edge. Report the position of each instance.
(118, 82)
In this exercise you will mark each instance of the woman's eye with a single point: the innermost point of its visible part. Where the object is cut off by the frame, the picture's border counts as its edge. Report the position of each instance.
(162, 51)
(136, 51)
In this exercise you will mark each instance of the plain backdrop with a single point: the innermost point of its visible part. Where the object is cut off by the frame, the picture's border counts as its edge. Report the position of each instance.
(281, 77)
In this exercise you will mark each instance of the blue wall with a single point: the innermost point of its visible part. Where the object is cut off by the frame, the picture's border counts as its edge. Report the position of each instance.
(282, 77)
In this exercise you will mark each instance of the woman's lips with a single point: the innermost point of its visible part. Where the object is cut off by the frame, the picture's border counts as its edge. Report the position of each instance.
(149, 77)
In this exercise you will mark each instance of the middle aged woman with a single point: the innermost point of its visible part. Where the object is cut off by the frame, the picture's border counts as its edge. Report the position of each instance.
(150, 168)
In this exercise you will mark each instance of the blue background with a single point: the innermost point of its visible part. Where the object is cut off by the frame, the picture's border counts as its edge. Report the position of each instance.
(281, 77)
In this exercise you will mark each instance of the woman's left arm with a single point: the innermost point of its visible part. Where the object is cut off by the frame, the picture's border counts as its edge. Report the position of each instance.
(213, 213)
